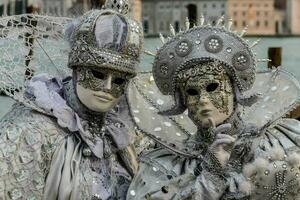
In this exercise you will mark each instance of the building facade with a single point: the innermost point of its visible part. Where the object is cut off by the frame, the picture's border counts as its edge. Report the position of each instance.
(258, 15)
(293, 19)
(13, 7)
(136, 11)
(157, 15)
(55, 7)
(60, 7)
(78, 7)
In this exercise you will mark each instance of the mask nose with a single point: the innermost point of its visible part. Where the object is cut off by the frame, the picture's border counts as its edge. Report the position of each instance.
(107, 83)
(203, 100)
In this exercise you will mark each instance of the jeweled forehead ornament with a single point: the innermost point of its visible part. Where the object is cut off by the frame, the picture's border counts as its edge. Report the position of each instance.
(106, 39)
(122, 6)
(205, 43)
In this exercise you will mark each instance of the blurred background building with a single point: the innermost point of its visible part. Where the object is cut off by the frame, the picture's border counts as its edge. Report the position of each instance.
(159, 14)
(263, 17)
(293, 16)
(259, 15)
(59, 7)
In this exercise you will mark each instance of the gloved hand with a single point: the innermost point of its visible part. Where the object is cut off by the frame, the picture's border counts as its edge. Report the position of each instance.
(218, 152)
(223, 142)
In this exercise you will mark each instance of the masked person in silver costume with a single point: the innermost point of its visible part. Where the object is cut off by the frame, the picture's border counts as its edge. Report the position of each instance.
(75, 143)
(243, 148)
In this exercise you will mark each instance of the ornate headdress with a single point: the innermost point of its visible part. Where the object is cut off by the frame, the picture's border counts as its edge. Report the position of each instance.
(205, 43)
(106, 38)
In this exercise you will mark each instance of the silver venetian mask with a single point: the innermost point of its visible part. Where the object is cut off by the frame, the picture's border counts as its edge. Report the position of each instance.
(207, 92)
(97, 80)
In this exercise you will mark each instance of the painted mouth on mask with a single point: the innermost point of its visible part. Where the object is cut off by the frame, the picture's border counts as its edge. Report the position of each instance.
(103, 98)
(205, 112)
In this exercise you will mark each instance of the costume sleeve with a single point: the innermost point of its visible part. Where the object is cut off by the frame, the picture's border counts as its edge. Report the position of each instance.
(157, 182)
(26, 145)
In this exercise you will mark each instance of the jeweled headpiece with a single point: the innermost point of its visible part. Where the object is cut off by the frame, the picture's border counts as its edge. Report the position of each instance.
(204, 43)
(106, 39)
(122, 6)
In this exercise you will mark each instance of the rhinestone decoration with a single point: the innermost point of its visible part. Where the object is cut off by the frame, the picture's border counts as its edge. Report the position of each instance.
(168, 124)
(137, 120)
(183, 48)
(157, 129)
(96, 197)
(160, 102)
(284, 166)
(214, 44)
(122, 6)
(241, 61)
(282, 186)
(164, 69)
(229, 49)
(267, 172)
(274, 88)
(87, 152)
(134, 27)
(155, 169)
(132, 192)
(285, 88)
(171, 55)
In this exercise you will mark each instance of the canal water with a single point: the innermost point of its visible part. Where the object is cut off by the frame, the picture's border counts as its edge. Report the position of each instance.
(290, 58)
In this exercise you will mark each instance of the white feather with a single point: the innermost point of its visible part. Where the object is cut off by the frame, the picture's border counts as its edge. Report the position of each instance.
(245, 187)
(294, 159)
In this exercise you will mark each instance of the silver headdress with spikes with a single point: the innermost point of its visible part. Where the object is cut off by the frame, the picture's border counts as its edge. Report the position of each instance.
(205, 43)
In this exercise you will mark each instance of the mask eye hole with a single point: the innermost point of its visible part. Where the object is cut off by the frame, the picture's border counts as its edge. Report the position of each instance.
(212, 87)
(119, 81)
(97, 74)
(192, 92)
